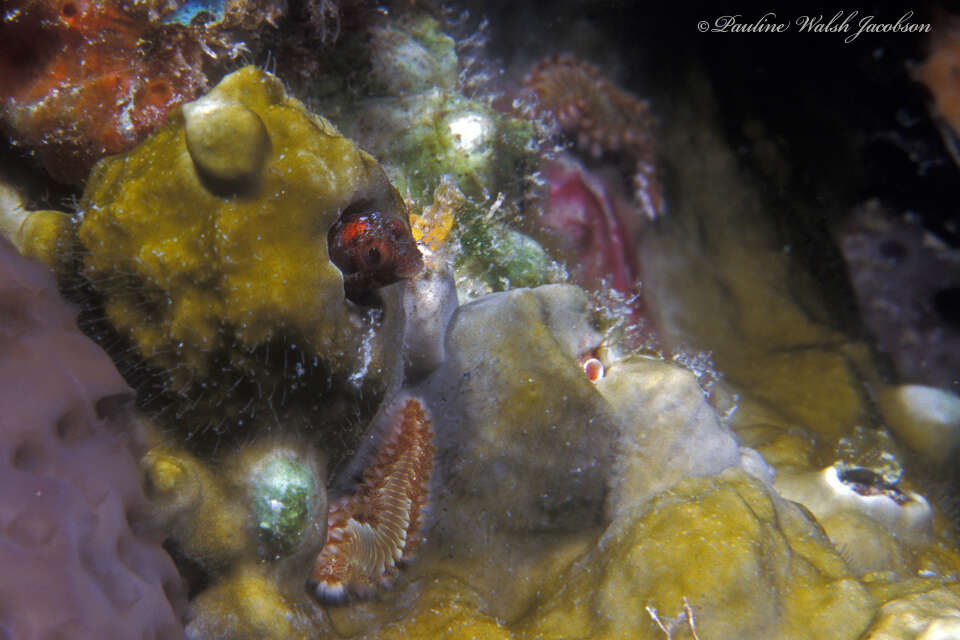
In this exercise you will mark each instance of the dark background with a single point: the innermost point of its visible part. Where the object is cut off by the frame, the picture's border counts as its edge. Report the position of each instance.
(850, 117)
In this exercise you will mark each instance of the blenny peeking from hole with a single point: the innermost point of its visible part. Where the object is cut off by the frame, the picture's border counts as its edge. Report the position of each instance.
(238, 264)
(372, 249)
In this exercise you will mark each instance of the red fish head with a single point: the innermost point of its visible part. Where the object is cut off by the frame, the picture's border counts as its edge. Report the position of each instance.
(372, 248)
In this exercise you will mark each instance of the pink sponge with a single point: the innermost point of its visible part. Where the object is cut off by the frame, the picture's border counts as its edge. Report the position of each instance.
(76, 559)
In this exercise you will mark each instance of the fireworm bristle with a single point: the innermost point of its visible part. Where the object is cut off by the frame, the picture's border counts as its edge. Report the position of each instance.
(369, 532)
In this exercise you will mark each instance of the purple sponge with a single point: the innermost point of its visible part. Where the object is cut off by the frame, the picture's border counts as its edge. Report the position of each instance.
(76, 558)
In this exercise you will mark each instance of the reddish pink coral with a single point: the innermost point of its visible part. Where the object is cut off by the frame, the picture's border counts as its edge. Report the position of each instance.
(81, 79)
(593, 224)
(602, 119)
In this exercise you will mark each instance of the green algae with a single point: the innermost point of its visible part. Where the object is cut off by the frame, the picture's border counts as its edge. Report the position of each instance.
(495, 257)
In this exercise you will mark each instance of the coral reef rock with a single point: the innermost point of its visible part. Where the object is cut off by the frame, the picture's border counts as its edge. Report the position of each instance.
(78, 557)
(662, 410)
(872, 521)
(722, 283)
(746, 563)
(252, 526)
(925, 418)
(535, 456)
(340, 450)
(932, 614)
(524, 436)
(413, 55)
(243, 250)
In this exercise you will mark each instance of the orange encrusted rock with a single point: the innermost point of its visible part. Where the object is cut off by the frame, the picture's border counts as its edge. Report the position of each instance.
(82, 79)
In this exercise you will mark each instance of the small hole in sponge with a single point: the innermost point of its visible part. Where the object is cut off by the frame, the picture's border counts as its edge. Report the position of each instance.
(860, 475)
(111, 406)
(73, 426)
(28, 456)
(893, 251)
(68, 10)
(141, 521)
(946, 303)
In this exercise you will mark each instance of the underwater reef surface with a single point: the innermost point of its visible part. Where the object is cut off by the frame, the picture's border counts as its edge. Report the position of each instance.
(417, 342)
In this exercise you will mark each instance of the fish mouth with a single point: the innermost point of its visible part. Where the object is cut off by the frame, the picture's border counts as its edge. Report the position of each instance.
(412, 264)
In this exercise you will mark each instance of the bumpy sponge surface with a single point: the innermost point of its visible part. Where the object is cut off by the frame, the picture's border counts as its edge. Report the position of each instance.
(77, 559)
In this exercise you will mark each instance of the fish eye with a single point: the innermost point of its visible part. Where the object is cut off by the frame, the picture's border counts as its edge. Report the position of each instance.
(373, 256)
(351, 240)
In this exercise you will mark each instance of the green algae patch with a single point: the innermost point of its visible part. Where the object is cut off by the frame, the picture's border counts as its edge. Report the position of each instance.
(497, 258)
(442, 132)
